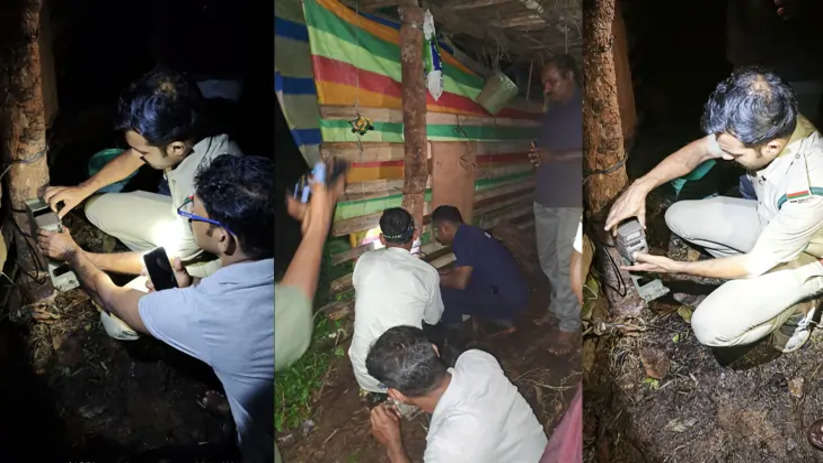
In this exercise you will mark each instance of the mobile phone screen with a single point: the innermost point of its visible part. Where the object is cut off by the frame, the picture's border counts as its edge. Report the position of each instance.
(159, 268)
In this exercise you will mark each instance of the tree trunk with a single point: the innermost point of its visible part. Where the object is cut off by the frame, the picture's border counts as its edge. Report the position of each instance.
(29, 174)
(415, 168)
(604, 161)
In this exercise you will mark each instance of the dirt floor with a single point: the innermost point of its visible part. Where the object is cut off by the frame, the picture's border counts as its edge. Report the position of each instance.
(757, 409)
(90, 397)
(339, 431)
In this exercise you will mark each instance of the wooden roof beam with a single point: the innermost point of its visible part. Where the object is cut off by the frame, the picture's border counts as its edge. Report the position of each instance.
(472, 4)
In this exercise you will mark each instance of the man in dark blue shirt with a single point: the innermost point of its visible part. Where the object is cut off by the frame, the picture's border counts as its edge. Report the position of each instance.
(485, 280)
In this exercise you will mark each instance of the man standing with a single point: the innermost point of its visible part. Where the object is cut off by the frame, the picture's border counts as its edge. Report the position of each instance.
(392, 288)
(227, 319)
(558, 157)
(750, 118)
(485, 280)
(478, 415)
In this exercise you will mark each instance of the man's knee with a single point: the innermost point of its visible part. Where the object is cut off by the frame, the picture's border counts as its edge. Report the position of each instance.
(713, 322)
(677, 217)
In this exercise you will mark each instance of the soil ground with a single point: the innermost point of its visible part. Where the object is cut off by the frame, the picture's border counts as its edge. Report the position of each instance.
(339, 429)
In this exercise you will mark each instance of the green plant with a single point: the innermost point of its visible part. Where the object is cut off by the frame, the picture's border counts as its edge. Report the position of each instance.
(293, 387)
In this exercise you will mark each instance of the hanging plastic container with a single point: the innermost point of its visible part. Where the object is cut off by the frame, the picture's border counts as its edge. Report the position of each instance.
(497, 93)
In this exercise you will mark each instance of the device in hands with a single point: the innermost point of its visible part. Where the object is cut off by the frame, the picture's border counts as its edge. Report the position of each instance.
(327, 172)
(42, 217)
(159, 268)
(631, 238)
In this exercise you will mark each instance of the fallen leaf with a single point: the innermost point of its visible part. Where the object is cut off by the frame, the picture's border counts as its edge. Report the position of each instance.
(685, 313)
(679, 424)
(796, 387)
(655, 362)
(676, 338)
(653, 383)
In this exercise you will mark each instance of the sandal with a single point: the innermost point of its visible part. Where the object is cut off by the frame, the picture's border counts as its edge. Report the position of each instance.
(815, 434)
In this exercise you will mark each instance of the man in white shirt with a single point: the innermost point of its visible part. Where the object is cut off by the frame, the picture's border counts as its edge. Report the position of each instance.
(768, 248)
(478, 416)
(392, 288)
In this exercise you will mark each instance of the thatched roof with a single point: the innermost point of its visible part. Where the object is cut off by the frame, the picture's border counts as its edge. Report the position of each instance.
(520, 30)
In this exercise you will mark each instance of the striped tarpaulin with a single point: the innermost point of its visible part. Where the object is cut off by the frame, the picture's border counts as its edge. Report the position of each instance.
(356, 60)
(293, 78)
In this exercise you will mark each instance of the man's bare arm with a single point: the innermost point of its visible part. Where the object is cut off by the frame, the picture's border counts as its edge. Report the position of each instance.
(123, 302)
(129, 263)
(457, 277)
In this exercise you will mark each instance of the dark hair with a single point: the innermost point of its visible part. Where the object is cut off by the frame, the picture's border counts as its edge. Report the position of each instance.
(753, 105)
(564, 64)
(403, 358)
(237, 191)
(447, 213)
(397, 225)
(163, 106)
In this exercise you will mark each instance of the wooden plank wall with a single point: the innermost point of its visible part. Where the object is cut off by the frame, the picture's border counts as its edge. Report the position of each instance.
(490, 181)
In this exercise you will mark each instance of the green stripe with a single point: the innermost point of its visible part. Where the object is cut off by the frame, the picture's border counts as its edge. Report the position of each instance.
(335, 130)
(488, 183)
(357, 208)
(329, 46)
(300, 111)
(318, 17)
(289, 9)
(292, 57)
(817, 191)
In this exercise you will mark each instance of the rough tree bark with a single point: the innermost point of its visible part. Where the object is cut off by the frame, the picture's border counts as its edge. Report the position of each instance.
(415, 168)
(604, 162)
(28, 174)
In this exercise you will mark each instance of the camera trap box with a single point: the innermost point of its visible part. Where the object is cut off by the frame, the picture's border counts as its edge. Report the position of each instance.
(42, 217)
(631, 238)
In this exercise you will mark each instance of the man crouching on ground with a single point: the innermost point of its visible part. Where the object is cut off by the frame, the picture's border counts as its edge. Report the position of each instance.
(478, 415)
(226, 319)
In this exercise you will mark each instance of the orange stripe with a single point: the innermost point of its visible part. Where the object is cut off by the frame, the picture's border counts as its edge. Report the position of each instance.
(389, 34)
(330, 93)
(365, 174)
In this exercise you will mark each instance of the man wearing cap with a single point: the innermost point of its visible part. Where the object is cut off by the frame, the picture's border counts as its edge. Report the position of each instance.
(392, 287)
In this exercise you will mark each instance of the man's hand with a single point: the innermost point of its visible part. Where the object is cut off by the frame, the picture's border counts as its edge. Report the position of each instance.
(632, 203)
(70, 196)
(320, 205)
(655, 264)
(385, 426)
(537, 156)
(58, 246)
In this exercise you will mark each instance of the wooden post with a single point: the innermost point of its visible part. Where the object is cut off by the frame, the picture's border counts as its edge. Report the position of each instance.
(415, 169)
(29, 173)
(603, 149)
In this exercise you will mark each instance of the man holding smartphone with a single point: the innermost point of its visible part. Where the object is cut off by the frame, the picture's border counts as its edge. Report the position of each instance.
(225, 319)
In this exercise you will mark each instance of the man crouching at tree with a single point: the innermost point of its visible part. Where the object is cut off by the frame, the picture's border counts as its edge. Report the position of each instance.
(226, 319)
(478, 415)
(769, 248)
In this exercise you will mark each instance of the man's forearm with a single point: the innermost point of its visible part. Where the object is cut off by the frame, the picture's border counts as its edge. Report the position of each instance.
(117, 169)
(397, 454)
(727, 268)
(129, 263)
(677, 164)
(304, 269)
(121, 302)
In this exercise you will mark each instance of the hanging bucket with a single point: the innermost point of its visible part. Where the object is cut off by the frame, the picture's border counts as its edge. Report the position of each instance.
(100, 159)
(497, 93)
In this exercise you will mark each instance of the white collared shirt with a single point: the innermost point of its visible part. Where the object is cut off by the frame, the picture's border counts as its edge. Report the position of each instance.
(482, 418)
(789, 202)
(392, 288)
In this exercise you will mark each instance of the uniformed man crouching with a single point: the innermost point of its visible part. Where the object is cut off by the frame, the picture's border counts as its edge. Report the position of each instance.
(768, 248)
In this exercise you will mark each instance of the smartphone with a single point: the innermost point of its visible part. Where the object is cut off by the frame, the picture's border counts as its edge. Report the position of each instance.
(335, 168)
(159, 268)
